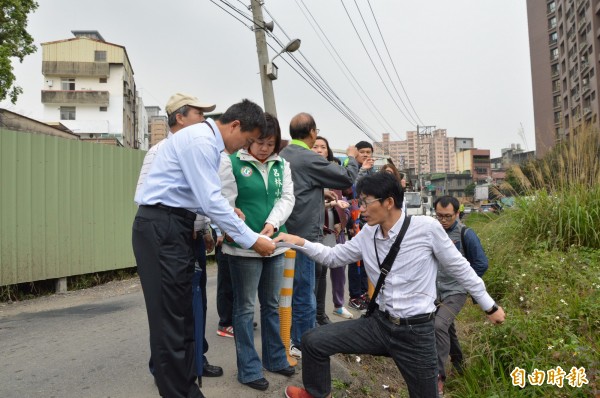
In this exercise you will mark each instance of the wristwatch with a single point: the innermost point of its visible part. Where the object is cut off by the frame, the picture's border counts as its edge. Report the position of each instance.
(492, 310)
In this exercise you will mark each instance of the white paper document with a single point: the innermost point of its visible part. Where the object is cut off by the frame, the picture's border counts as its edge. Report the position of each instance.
(289, 246)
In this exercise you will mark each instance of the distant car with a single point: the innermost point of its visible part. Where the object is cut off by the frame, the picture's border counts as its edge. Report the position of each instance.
(490, 208)
(468, 209)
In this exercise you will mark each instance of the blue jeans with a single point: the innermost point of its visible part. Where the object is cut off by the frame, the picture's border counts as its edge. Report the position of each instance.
(304, 303)
(249, 275)
(411, 347)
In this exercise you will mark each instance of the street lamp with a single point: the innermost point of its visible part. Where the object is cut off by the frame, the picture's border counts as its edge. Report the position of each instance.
(290, 48)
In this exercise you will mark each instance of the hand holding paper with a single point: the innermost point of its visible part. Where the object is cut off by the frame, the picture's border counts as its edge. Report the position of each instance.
(288, 240)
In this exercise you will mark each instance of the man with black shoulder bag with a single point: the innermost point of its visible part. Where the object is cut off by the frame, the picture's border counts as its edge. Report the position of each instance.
(399, 321)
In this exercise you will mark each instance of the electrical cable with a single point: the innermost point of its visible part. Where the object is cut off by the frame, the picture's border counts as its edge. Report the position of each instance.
(375, 67)
(393, 64)
(318, 85)
(242, 22)
(369, 107)
(383, 63)
(371, 136)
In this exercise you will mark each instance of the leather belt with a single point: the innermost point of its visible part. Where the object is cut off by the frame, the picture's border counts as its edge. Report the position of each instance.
(178, 211)
(413, 320)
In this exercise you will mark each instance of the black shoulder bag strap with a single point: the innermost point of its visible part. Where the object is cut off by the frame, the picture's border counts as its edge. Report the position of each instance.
(463, 231)
(211, 127)
(387, 263)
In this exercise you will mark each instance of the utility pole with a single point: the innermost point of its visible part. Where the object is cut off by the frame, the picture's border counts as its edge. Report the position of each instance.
(422, 132)
(263, 57)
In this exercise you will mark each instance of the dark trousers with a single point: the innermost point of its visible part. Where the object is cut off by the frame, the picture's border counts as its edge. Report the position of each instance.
(320, 289)
(357, 280)
(162, 244)
(445, 331)
(199, 304)
(456, 355)
(412, 348)
(224, 288)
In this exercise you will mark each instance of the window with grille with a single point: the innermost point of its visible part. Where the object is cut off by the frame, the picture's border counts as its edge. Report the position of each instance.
(67, 113)
(68, 83)
(100, 56)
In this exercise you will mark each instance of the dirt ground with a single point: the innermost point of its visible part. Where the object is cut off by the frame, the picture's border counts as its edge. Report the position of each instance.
(376, 377)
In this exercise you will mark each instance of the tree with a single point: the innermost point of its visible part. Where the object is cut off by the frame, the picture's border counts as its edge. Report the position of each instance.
(15, 42)
(470, 190)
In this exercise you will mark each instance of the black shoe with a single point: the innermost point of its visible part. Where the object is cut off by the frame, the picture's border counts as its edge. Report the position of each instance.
(211, 370)
(323, 320)
(260, 384)
(289, 371)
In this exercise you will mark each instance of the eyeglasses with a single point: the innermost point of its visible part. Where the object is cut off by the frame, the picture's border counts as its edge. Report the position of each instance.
(317, 130)
(366, 203)
(446, 217)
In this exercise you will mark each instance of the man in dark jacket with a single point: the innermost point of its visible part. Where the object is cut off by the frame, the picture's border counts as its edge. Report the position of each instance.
(310, 174)
(451, 295)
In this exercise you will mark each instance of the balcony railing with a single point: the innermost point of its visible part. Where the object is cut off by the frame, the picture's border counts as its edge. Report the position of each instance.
(75, 97)
(63, 68)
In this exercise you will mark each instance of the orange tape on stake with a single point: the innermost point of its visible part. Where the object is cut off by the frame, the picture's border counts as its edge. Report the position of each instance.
(285, 303)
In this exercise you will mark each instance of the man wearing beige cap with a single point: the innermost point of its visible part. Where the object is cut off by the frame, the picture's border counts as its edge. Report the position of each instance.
(181, 182)
(184, 110)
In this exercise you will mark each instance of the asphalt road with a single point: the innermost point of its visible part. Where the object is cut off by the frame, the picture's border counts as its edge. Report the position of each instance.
(94, 343)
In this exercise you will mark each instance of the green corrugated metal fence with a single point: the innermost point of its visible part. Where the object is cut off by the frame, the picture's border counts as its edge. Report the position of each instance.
(66, 207)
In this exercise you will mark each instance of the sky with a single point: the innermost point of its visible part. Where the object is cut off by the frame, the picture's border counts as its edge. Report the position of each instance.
(463, 63)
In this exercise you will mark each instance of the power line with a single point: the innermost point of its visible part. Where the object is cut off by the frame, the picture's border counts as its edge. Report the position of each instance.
(320, 81)
(224, 9)
(383, 63)
(374, 66)
(346, 66)
(393, 64)
(319, 85)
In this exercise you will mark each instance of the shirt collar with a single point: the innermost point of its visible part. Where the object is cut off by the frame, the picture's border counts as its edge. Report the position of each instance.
(243, 154)
(218, 136)
(299, 143)
(452, 226)
(393, 232)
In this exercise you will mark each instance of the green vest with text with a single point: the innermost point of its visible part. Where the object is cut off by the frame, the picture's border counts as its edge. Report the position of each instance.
(254, 199)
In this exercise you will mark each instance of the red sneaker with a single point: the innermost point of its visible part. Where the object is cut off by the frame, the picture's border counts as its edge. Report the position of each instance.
(296, 392)
(225, 331)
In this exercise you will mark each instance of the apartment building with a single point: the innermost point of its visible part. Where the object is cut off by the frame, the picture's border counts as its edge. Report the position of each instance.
(476, 162)
(158, 127)
(435, 151)
(564, 48)
(89, 87)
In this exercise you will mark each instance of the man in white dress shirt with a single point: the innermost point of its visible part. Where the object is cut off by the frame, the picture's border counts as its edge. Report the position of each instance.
(184, 110)
(403, 326)
(183, 181)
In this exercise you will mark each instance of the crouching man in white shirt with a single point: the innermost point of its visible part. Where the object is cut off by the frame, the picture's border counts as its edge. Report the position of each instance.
(403, 325)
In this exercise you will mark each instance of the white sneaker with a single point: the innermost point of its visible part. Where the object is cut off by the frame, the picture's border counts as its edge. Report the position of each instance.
(295, 352)
(343, 312)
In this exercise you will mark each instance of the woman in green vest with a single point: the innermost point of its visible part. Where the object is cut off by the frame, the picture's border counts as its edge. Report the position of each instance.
(258, 181)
